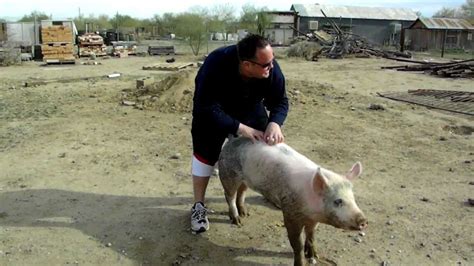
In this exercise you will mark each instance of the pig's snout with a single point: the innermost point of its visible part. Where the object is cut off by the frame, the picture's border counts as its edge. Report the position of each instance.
(361, 222)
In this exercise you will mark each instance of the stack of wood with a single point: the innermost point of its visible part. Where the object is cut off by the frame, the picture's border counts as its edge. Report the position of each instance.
(459, 69)
(124, 48)
(92, 44)
(57, 46)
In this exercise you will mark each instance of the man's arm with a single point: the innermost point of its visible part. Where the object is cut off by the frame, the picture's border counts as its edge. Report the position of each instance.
(276, 102)
(206, 97)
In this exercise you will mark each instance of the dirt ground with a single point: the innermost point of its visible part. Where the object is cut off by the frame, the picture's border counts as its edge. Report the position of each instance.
(87, 180)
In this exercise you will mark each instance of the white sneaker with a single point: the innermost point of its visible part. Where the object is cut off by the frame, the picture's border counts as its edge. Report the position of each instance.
(199, 221)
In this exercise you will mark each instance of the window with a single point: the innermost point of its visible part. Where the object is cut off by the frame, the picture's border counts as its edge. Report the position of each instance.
(313, 25)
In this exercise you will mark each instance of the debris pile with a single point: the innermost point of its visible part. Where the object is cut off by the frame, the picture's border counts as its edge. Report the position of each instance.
(9, 55)
(337, 43)
(173, 94)
(459, 69)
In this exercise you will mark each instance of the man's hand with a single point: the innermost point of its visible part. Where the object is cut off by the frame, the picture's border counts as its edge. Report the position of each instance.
(273, 134)
(251, 133)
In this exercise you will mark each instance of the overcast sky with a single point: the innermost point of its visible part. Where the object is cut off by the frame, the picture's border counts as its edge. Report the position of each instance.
(146, 8)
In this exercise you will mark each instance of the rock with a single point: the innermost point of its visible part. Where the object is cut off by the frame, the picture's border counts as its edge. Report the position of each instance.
(352, 108)
(471, 183)
(62, 155)
(470, 202)
(390, 222)
(361, 233)
(312, 261)
(176, 156)
(442, 139)
(374, 106)
(384, 263)
(358, 239)
(128, 103)
(108, 245)
(373, 250)
(425, 199)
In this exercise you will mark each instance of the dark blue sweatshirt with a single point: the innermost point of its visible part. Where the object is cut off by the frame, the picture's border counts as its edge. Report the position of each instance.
(222, 99)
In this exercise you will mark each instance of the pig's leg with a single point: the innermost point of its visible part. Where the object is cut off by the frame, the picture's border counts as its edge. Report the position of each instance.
(231, 185)
(309, 249)
(241, 200)
(294, 229)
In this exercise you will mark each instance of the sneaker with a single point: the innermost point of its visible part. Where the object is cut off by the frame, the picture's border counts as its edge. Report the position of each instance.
(199, 221)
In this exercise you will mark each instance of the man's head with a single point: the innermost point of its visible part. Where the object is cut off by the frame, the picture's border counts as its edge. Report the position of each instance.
(255, 56)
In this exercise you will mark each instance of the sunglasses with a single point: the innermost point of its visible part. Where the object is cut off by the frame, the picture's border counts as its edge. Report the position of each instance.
(264, 66)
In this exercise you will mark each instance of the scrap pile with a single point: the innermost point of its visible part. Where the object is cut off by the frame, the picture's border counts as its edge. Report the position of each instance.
(91, 44)
(57, 44)
(459, 69)
(336, 43)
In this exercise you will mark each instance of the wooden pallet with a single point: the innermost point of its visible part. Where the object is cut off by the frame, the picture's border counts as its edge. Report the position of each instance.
(60, 60)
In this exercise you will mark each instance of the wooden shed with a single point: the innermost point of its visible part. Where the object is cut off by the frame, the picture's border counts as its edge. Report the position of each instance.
(436, 33)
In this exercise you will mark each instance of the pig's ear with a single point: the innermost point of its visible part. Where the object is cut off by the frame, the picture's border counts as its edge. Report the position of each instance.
(319, 181)
(355, 171)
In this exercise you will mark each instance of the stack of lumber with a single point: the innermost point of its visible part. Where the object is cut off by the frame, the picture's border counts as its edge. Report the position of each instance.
(161, 50)
(92, 44)
(57, 46)
(56, 34)
(459, 69)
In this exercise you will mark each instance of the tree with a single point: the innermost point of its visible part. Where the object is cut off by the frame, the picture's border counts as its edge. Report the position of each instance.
(467, 10)
(121, 21)
(34, 15)
(446, 12)
(255, 20)
(263, 22)
(192, 27)
(248, 18)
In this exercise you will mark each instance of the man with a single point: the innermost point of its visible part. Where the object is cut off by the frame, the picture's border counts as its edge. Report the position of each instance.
(235, 87)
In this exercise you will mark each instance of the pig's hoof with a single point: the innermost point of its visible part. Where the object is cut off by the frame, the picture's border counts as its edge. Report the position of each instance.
(237, 221)
(243, 212)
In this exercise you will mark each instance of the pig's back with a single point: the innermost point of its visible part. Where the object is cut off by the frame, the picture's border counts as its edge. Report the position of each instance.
(276, 171)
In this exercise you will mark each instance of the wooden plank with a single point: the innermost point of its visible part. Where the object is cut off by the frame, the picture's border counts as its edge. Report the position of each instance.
(167, 67)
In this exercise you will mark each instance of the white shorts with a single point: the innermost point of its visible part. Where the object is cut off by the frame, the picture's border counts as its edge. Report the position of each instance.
(201, 169)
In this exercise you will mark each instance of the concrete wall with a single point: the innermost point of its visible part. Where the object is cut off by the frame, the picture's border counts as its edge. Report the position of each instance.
(21, 33)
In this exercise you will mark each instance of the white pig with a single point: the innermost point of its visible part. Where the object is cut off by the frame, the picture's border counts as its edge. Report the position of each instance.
(306, 193)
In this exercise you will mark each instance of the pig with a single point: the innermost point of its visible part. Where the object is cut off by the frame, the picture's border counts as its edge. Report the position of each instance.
(306, 193)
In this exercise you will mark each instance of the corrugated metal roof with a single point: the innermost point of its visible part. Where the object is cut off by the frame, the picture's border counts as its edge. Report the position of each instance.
(446, 23)
(355, 12)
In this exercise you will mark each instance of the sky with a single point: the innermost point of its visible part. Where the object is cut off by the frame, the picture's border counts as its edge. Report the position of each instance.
(10, 9)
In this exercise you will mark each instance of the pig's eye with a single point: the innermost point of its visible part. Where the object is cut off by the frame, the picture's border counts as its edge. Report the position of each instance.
(338, 202)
